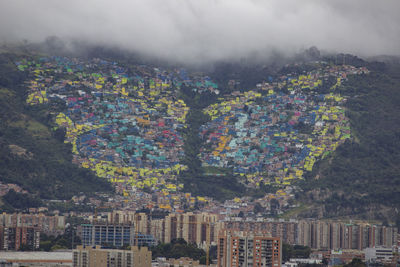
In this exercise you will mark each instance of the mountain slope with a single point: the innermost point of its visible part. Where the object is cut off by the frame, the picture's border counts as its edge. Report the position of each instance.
(362, 178)
(32, 155)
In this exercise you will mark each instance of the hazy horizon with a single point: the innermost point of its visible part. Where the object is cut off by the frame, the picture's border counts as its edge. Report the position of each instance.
(210, 30)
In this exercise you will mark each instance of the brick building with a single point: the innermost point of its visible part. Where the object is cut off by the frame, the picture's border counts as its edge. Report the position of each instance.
(239, 248)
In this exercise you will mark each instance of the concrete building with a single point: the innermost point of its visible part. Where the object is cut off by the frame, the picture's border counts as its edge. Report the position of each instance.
(317, 234)
(113, 235)
(49, 225)
(286, 230)
(339, 235)
(13, 238)
(181, 262)
(239, 248)
(379, 254)
(97, 257)
(296, 262)
(345, 256)
(42, 259)
(194, 228)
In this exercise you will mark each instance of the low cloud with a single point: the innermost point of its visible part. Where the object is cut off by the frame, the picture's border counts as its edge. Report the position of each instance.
(210, 30)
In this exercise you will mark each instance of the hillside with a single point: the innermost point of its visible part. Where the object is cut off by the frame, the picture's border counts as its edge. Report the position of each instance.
(362, 178)
(315, 133)
(33, 155)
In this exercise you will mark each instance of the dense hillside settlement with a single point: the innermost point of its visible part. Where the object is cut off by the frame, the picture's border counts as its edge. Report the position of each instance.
(192, 160)
(125, 124)
(273, 137)
(200, 133)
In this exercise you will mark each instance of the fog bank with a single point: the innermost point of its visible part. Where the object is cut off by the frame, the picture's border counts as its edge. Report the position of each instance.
(209, 30)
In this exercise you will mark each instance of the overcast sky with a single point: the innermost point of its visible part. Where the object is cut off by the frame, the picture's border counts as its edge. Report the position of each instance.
(207, 30)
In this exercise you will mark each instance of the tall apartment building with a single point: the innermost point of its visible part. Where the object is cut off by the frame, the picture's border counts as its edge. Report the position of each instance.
(123, 217)
(245, 249)
(13, 238)
(317, 234)
(286, 230)
(339, 235)
(116, 235)
(193, 227)
(49, 225)
(140, 220)
(96, 257)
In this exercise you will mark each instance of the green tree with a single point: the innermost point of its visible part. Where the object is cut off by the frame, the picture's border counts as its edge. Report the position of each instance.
(296, 251)
(356, 262)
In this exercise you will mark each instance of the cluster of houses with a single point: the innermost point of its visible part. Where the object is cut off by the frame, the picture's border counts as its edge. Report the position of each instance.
(126, 124)
(5, 188)
(274, 134)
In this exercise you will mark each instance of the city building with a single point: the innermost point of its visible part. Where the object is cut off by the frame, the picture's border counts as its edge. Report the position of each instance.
(36, 258)
(379, 254)
(201, 228)
(194, 228)
(113, 235)
(297, 262)
(14, 238)
(49, 225)
(181, 262)
(335, 235)
(198, 228)
(98, 257)
(345, 256)
(286, 230)
(239, 248)
(124, 217)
